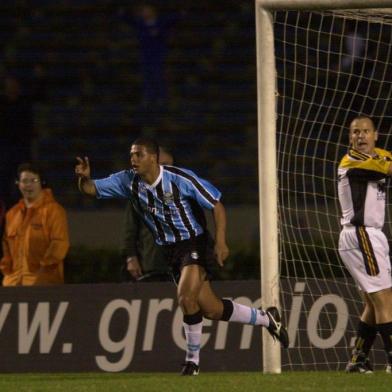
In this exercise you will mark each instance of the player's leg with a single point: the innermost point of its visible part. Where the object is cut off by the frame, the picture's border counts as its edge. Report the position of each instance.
(370, 266)
(366, 334)
(225, 309)
(381, 296)
(189, 286)
(211, 306)
(382, 302)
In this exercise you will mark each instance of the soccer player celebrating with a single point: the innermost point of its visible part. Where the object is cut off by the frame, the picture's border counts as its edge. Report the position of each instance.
(363, 246)
(170, 201)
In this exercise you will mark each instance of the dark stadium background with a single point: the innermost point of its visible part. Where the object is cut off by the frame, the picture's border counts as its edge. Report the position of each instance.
(92, 101)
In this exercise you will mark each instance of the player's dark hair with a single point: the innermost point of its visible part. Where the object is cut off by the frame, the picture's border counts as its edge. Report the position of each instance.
(32, 168)
(151, 145)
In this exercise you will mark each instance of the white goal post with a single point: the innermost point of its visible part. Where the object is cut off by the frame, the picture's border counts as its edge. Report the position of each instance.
(267, 161)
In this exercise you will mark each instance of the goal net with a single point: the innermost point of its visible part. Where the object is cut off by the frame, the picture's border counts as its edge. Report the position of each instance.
(330, 67)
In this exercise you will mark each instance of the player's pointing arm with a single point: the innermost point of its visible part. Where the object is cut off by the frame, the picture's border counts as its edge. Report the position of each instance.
(82, 171)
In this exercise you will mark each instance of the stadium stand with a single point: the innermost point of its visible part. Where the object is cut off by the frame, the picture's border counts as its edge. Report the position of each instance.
(91, 61)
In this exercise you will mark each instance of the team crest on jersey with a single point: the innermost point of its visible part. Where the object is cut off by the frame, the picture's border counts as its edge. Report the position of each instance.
(194, 255)
(168, 197)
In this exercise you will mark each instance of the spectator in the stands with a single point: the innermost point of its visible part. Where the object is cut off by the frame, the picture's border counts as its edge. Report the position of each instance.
(153, 31)
(35, 239)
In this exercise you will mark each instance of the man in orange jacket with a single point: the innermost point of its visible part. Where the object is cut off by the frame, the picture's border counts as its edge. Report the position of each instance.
(35, 240)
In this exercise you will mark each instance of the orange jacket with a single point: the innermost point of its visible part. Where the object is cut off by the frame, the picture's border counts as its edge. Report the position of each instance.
(35, 243)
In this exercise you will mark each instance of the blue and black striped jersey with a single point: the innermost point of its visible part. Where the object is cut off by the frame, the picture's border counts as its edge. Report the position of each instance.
(172, 207)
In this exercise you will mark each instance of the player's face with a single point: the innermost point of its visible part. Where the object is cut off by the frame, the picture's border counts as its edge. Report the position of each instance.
(29, 185)
(142, 161)
(363, 135)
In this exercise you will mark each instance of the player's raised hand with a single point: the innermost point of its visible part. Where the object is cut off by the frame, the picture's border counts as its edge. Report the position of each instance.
(82, 168)
(85, 183)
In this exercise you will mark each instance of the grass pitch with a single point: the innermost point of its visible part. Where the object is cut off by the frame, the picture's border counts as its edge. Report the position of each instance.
(215, 382)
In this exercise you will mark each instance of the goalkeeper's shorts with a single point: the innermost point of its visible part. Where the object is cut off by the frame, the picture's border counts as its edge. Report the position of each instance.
(365, 253)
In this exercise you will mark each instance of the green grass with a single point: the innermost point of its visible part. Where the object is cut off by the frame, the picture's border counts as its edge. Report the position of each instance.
(215, 382)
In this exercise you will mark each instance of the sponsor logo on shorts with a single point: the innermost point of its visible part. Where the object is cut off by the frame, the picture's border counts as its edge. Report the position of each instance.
(194, 255)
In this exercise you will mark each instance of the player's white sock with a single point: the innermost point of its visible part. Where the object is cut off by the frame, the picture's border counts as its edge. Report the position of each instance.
(193, 340)
(247, 315)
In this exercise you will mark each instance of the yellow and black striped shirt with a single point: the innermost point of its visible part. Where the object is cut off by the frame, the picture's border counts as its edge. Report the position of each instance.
(361, 187)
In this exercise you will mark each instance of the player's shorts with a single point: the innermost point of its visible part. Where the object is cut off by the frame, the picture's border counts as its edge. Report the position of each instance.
(198, 250)
(365, 253)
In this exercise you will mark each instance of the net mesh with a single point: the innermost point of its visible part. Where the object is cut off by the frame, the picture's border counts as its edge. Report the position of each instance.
(331, 67)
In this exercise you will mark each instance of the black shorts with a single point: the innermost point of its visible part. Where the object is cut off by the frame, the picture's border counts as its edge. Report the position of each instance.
(198, 250)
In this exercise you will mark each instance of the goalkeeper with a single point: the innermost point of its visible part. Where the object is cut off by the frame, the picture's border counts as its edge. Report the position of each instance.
(363, 246)
(170, 201)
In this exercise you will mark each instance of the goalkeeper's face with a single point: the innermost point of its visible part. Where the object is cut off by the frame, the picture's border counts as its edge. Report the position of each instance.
(363, 135)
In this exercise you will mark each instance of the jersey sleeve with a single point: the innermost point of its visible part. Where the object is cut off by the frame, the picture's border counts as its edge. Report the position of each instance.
(116, 186)
(385, 154)
(199, 189)
(366, 167)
